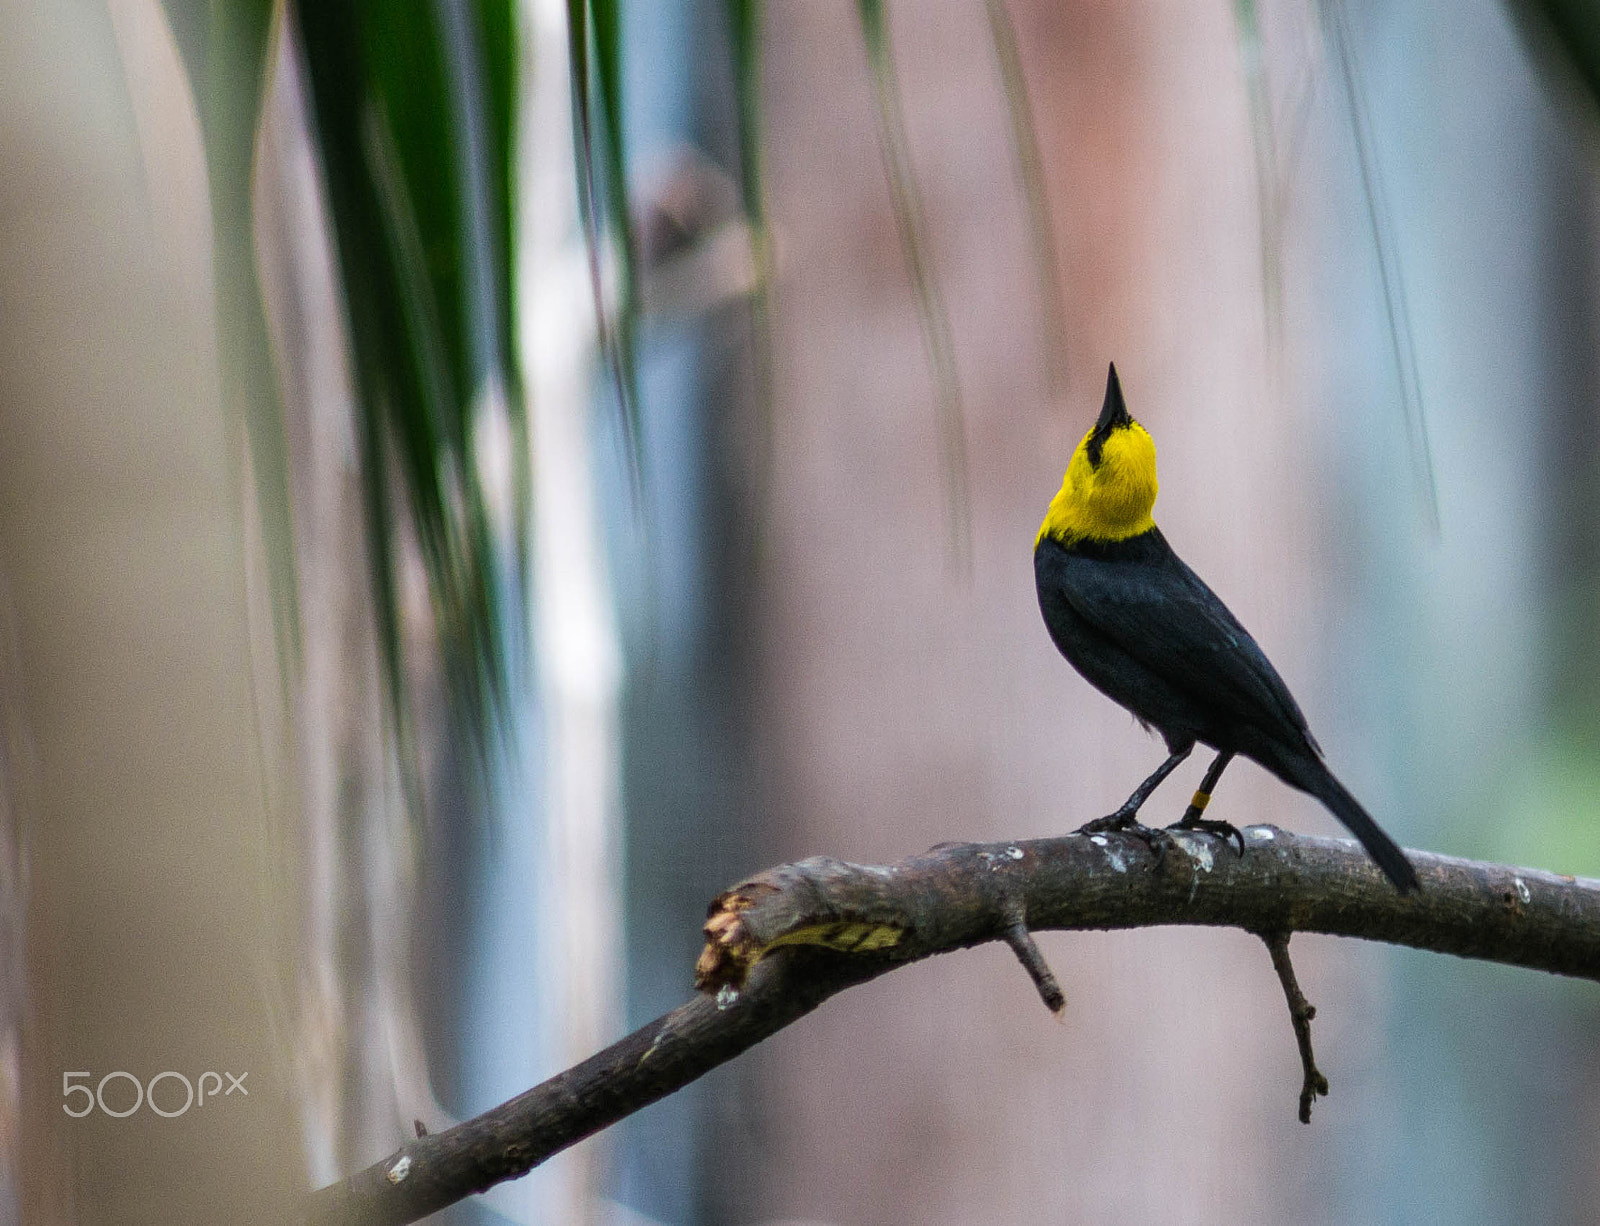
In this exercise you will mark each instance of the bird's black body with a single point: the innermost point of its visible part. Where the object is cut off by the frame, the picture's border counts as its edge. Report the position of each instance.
(1148, 633)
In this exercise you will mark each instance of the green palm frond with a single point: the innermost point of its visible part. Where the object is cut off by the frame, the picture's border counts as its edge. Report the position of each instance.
(1252, 57)
(1030, 164)
(1567, 31)
(225, 49)
(907, 202)
(596, 25)
(745, 24)
(1390, 275)
(412, 111)
(744, 41)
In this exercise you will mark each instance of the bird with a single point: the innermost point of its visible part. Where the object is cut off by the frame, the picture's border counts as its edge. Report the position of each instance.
(1147, 632)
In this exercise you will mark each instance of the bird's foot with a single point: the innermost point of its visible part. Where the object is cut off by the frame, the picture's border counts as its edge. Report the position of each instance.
(1226, 831)
(1127, 822)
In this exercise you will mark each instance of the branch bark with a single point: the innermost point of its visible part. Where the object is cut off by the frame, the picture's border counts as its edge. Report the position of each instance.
(782, 942)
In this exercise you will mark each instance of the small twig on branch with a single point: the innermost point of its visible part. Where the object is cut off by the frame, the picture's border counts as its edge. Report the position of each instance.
(1032, 958)
(1301, 1011)
(784, 941)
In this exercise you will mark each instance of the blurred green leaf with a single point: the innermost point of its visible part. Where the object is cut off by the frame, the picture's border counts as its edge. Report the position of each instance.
(598, 22)
(1025, 144)
(1247, 21)
(412, 110)
(907, 202)
(1570, 29)
(1544, 815)
(225, 49)
(744, 39)
(1389, 272)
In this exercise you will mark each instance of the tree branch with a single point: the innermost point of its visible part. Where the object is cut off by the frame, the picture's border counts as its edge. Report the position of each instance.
(1301, 1011)
(782, 942)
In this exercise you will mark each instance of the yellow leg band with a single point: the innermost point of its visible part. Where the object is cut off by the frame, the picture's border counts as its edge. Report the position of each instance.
(1200, 801)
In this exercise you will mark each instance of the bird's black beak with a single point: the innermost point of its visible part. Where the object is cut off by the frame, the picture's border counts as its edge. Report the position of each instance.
(1113, 414)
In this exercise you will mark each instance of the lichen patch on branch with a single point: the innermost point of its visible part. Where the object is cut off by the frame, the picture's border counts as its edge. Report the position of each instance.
(730, 950)
(810, 915)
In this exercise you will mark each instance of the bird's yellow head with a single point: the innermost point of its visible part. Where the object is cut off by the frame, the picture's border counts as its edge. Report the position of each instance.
(1110, 486)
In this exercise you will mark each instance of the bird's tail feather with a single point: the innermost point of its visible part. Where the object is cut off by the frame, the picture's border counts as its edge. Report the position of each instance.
(1312, 776)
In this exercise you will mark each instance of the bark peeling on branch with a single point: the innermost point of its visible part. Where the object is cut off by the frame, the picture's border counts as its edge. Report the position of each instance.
(782, 942)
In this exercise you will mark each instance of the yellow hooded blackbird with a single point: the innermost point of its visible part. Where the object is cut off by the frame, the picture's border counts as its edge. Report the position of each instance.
(1145, 631)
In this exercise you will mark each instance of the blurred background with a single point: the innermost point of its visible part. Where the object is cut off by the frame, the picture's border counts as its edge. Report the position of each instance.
(396, 653)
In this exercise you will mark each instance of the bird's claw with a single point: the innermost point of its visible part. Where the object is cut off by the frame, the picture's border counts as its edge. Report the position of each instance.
(1155, 839)
(1226, 831)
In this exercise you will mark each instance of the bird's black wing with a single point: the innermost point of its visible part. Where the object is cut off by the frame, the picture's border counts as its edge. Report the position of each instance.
(1164, 617)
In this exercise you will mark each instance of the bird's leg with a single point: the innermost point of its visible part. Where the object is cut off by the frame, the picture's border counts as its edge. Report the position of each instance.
(1126, 819)
(1191, 819)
